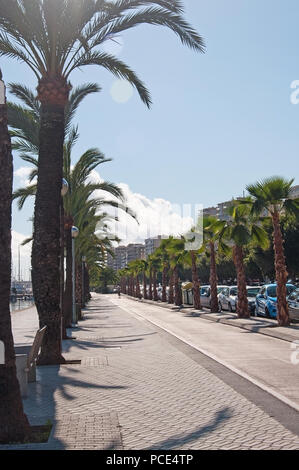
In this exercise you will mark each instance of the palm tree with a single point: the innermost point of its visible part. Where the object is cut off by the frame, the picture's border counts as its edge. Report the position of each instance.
(150, 276)
(273, 196)
(191, 258)
(209, 238)
(25, 123)
(240, 231)
(54, 38)
(144, 268)
(14, 423)
(163, 255)
(176, 251)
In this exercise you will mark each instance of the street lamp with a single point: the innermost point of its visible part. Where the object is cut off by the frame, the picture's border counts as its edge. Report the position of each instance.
(64, 187)
(2, 90)
(75, 233)
(64, 190)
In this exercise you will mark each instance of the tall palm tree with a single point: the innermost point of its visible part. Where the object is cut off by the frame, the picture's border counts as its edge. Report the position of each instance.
(240, 231)
(272, 196)
(209, 245)
(54, 38)
(191, 259)
(25, 121)
(163, 255)
(14, 423)
(144, 268)
(176, 250)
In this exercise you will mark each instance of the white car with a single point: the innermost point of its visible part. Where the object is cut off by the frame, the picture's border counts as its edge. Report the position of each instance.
(227, 298)
(205, 295)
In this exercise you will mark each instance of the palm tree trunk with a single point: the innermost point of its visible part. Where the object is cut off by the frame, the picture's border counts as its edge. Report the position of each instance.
(45, 249)
(150, 292)
(213, 279)
(170, 292)
(14, 425)
(87, 285)
(281, 273)
(144, 286)
(137, 287)
(196, 283)
(178, 291)
(155, 294)
(242, 306)
(164, 283)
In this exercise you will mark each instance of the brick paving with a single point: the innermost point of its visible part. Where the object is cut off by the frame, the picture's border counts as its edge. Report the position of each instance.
(135, 390)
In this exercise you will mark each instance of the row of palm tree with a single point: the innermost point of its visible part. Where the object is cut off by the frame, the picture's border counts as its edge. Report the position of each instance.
(270, 198)
(54, 38)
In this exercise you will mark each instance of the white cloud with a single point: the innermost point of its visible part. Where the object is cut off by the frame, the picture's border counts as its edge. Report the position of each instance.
(22, 174)
(155, 216)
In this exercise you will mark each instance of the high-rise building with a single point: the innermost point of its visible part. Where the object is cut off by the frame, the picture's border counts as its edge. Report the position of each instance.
(135, 251)
(124, 255)
(119, 261)
(295, 192)
(151, 244)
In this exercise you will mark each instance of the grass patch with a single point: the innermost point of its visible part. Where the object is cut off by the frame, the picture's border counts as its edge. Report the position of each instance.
(37, 435)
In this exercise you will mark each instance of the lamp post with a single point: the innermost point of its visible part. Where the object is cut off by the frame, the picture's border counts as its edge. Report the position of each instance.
(64, 190)
(75, 233)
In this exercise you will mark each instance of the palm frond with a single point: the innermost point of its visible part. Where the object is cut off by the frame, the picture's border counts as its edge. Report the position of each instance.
(113, 65)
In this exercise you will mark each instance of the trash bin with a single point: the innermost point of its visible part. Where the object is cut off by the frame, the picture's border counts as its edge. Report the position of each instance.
(187, 293)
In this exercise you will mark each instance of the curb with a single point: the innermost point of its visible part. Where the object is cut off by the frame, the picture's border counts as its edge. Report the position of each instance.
(260, 326)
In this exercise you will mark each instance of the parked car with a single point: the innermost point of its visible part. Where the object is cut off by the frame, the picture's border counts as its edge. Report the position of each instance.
(252, 292)
(205, 295)
(227, 298)
(293, 302)
(266, 300)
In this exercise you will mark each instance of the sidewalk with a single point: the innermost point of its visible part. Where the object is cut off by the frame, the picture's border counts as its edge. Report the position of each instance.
(262, 359)
(135, 389)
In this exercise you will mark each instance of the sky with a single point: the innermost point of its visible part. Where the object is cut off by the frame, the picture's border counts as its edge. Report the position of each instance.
(219, 120)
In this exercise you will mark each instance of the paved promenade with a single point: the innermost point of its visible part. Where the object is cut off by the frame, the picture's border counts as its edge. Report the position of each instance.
(139, 388)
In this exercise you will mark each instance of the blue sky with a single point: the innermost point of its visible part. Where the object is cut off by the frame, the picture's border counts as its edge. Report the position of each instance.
(218, 122)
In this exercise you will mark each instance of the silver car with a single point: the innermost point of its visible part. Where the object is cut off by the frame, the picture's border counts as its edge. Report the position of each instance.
(252, 292)
(293, 301)
(227, 298)
(205, 295)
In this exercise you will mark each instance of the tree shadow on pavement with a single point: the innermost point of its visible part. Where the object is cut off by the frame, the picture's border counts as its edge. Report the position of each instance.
(182, 439)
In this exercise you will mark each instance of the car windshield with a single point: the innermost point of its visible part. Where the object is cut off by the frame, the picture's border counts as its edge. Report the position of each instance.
(290, 289)
(271, 290)
(220, 289)
(233, 291)
(253, 292)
